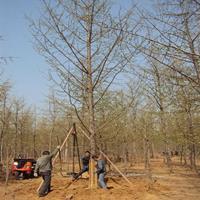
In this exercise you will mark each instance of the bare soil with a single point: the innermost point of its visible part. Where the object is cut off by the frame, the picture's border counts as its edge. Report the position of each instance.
(181, 184)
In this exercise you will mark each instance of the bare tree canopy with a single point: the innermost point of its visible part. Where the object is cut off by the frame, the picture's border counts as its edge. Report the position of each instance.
(173, 38)
(86, 46)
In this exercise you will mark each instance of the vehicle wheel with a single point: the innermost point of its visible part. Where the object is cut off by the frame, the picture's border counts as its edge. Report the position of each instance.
(32, 175)
(28, 176)
(24, 176)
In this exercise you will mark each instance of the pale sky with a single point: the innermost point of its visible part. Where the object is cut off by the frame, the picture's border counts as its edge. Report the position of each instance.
(28, 71)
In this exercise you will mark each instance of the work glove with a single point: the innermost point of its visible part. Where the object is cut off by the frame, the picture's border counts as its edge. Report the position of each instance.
(35, 174)
(58, 147)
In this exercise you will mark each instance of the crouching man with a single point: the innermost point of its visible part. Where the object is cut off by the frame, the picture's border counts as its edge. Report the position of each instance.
(44, 167)
(85, 164)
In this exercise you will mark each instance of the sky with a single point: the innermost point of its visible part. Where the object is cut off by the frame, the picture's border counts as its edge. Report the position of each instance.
(28, 70)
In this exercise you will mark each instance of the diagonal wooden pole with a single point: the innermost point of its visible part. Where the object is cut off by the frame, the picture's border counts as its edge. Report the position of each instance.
(54, 160)
(114, 166)
(77, 147)
(61, 147)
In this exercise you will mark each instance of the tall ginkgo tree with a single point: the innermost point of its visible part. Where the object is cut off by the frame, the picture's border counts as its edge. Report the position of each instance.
(85, 43)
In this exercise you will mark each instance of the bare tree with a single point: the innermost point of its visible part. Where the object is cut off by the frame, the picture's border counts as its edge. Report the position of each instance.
(172, 41)
(174, 35)
(18, 105)
(5, 114)
(185, 100)
(4, 59)
(53, 114)
(85, 45)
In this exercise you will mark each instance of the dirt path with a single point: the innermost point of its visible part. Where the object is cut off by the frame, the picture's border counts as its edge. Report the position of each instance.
(181, 184)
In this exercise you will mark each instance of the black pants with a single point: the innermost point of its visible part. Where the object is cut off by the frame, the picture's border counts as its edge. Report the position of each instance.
(46, 186)
(83, 170)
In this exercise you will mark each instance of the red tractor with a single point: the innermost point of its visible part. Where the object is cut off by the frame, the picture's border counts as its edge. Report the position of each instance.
(23, 168)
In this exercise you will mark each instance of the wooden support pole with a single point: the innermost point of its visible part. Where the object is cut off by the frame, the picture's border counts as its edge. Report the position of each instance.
(77, 147)
(73, 155)
(114, 166)
(93, 175)
(61, 147)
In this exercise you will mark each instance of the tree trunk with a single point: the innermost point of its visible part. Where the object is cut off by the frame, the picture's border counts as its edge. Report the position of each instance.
(7, 164)
(151, 150)
(21, 139)
(1, 150)
(147, 156)
(50, 140)
(167, 159)
(34, 145)
(146, 153)
(91, 115)
(192, 156)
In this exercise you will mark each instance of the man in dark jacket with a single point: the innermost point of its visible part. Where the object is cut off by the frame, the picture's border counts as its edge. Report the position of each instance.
(44, 168)
(85, 164)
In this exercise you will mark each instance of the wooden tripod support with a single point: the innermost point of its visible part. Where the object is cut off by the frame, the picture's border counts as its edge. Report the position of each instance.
(114, 166)
(93, 176)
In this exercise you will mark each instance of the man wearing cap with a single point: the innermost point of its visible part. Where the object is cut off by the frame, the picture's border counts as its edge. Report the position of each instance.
(44, 167)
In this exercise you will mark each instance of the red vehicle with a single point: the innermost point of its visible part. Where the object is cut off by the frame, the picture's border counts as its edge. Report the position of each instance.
(23, 168)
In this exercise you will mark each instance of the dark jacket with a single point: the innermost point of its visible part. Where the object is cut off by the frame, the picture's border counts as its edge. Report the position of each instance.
(85, 160)
(44, 163)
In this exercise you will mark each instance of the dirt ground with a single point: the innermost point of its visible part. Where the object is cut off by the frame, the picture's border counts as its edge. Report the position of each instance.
(182, 183)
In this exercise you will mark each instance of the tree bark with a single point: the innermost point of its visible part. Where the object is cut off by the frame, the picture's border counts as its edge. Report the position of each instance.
(93, 179)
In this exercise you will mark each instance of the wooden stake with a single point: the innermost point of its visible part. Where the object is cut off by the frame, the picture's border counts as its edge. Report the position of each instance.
(93, 175)
(90, 174)
(95, 180)
(114, 166)
(69, 133)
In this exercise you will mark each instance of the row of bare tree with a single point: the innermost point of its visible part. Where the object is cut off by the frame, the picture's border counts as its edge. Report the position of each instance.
(129, 78)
